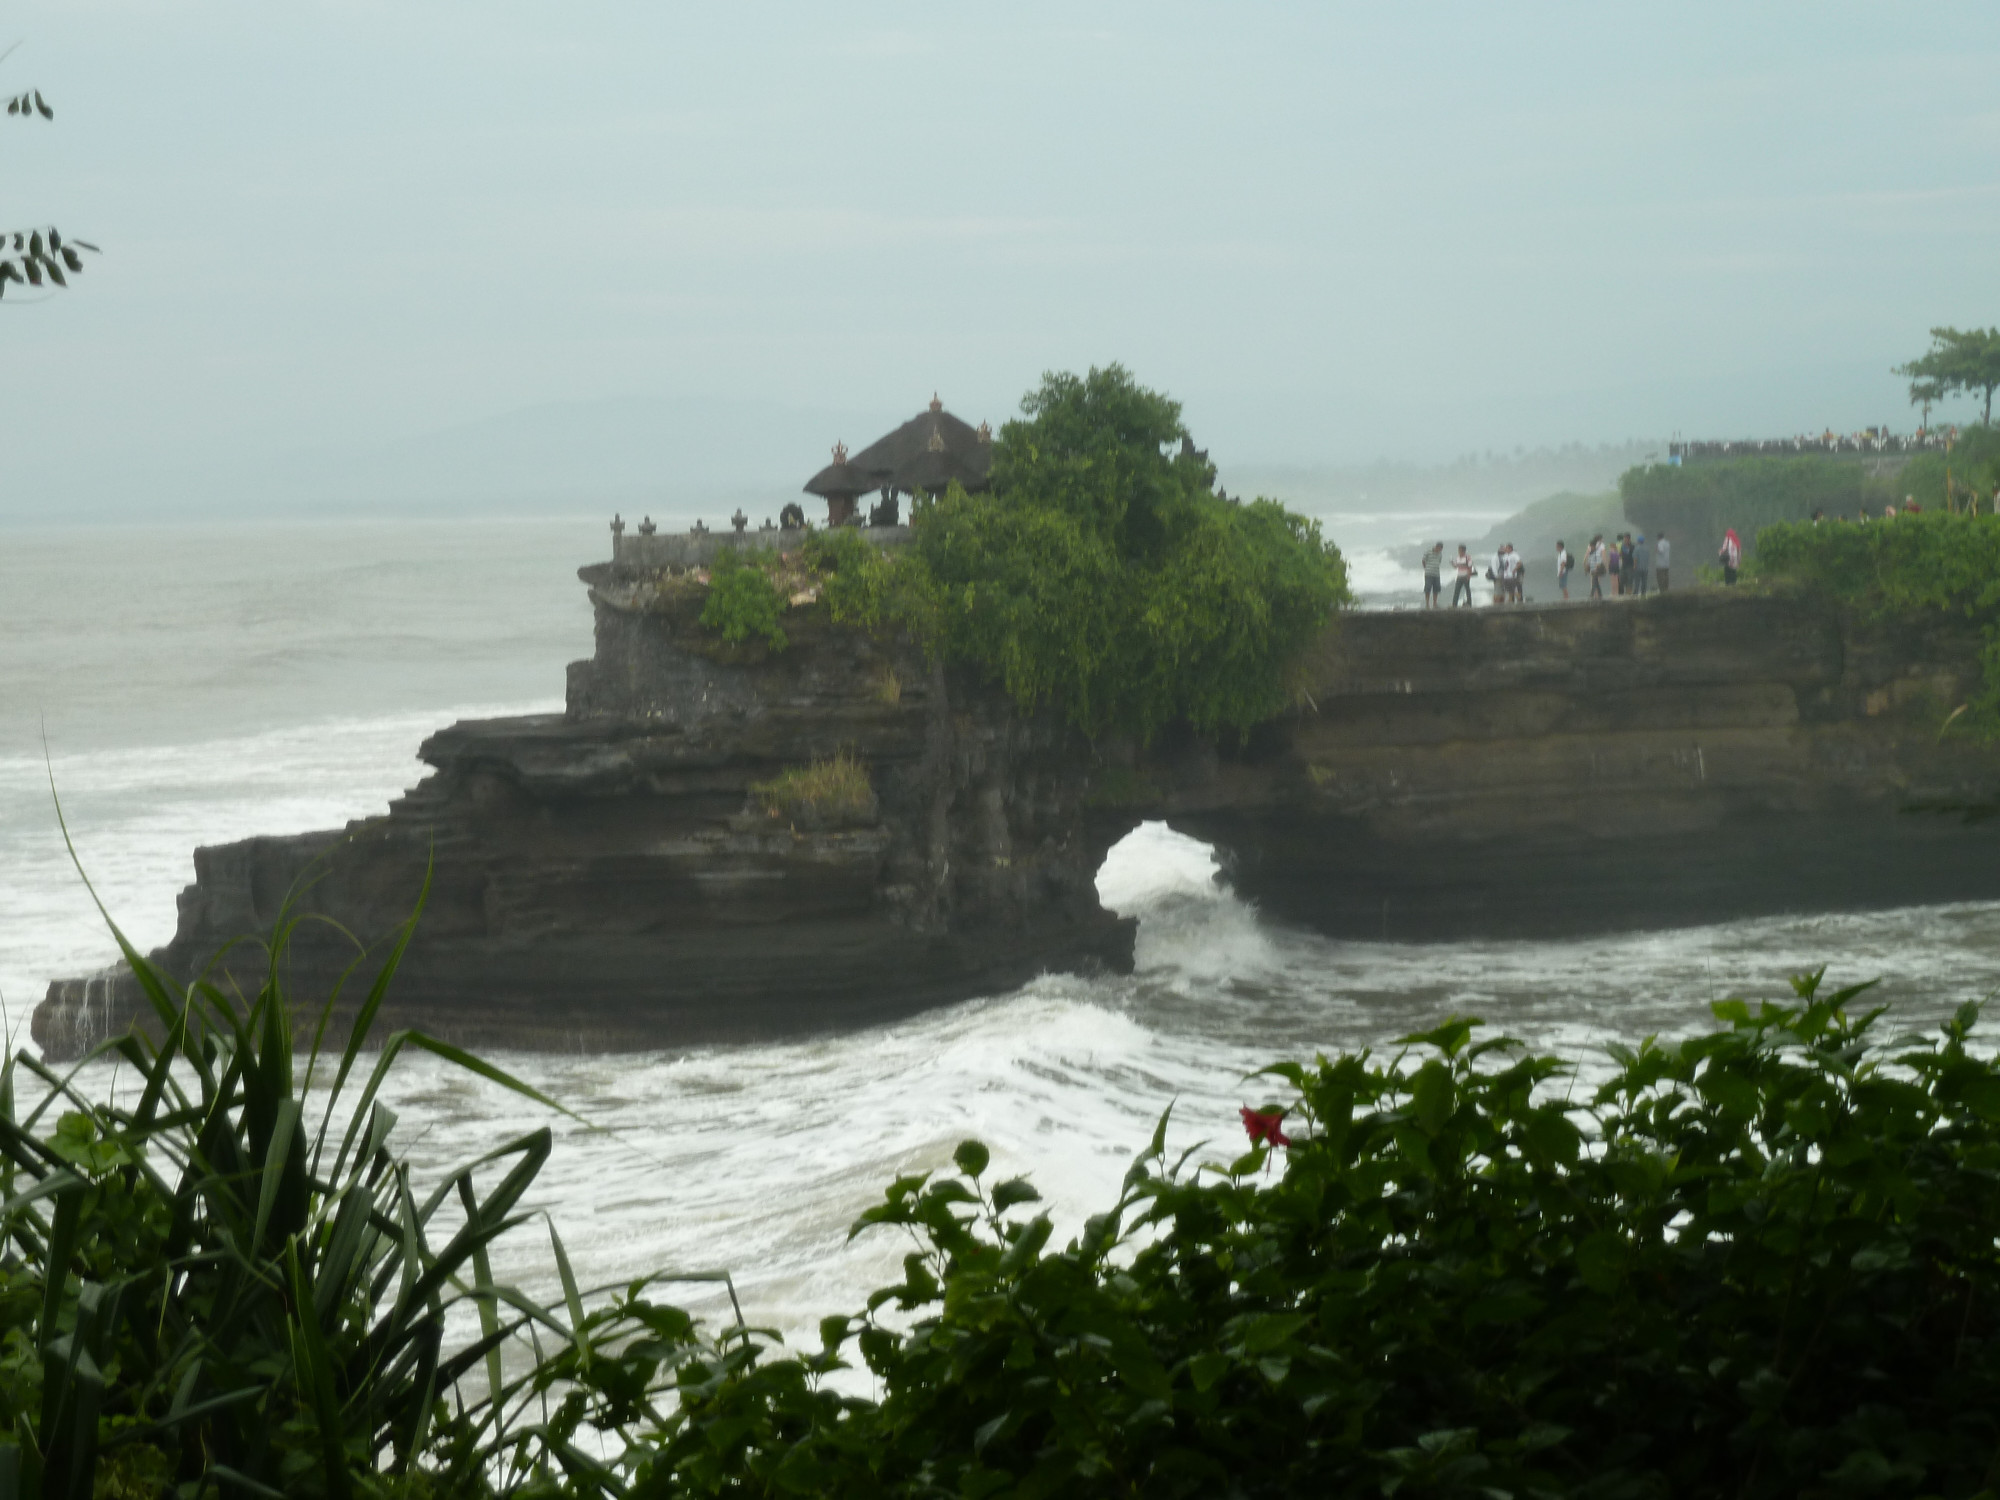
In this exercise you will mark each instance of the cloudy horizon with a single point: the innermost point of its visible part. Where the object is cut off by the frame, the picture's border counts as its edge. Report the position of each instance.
(337, 232)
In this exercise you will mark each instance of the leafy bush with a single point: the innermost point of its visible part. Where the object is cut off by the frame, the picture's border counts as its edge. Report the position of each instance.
(1973, 463)
(1929, 561)
(828, 787)
(1757, 1263)
(742, 600)
(1104, 575)
(224, 1287)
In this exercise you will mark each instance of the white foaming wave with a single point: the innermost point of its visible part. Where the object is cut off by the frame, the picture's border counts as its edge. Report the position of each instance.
(136, 817)
(762, 1157)
(1377, 571)
(263, 756)
(1154, 861)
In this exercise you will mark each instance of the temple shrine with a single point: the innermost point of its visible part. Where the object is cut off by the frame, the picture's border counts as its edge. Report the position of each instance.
(921, 457)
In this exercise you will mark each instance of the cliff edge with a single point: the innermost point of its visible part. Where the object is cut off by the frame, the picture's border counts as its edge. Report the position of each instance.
(610, 878)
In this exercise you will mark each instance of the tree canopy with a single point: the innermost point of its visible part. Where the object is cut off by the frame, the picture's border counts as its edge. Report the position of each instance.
(1104, 575)
(1960, 360)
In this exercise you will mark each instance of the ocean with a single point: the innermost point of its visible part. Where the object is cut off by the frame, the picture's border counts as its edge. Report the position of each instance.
(196, 684)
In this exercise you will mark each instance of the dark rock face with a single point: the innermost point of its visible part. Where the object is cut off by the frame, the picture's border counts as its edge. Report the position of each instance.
(1577, 768)
(606, 878)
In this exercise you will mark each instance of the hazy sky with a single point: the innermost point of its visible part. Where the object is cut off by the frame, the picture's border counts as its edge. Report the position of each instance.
(1336, 232)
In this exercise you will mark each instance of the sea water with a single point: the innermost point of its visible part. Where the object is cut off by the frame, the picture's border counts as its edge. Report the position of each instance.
(191, 685)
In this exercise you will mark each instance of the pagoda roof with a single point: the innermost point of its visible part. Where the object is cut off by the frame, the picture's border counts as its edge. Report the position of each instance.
(840, 478)
(925, 453)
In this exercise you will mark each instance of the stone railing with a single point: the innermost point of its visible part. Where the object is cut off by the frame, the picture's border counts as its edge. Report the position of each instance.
(644, 547)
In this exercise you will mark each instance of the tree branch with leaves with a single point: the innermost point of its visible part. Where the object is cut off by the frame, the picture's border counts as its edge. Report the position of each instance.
(1960, 360)
(39, 256)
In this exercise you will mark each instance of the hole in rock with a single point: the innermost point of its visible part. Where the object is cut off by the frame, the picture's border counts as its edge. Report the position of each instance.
(1152, 863)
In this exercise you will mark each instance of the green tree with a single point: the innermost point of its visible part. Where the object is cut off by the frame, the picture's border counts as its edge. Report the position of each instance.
(38, 256)
(1105, 576)
(1965, 360)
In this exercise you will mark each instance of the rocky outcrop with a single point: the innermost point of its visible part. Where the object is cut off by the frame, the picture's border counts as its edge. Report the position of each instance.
(610, 877)
(1576, 768)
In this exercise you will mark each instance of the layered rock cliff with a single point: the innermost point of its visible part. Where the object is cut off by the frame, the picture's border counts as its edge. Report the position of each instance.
(608, 877)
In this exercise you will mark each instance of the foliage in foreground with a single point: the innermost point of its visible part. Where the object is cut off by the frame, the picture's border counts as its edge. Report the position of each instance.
(37, 257)
(1104, 575)
(228, 1283)
(1761, 1262)
(1925, 562)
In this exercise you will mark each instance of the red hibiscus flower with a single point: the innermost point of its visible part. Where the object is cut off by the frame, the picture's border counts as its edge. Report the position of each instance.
(1262, 1124)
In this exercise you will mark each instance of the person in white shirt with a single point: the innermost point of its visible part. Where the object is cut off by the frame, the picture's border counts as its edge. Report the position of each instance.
(1661, 554)
(1461, 588)
(1563, 564)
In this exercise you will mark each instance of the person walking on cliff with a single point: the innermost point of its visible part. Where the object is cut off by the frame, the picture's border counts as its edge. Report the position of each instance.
(1461, 587)
(1593, 564)
(1625, 563)
(1642, 559)
(1433, 571)
(1614, 564)
(1661, 552)
(1731, 556)
(1563, 564)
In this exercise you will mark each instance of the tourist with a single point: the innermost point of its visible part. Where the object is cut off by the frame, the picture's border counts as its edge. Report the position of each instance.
(1731, 555)
(1625, 562)
(1661, 552)
(1563, 562)
(1642, 559)
(1461, 588)
(1433, 570)
(1614, 564)
(1593, 564)
(1516, 572)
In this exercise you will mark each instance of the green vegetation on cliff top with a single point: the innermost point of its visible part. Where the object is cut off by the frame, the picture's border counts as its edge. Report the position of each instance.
(1758, 1262)
(1930, 562)
(1103, 576)
(1697, 502)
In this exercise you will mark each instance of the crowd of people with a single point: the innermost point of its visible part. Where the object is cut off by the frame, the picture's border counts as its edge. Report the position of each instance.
(1628, 565)
(1868, 440)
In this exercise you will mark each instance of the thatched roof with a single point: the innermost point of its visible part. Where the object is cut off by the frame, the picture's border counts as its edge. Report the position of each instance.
(925, 453)
(840, 478)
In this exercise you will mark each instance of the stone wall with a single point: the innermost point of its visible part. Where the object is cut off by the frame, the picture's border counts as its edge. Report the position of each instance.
(656, 551)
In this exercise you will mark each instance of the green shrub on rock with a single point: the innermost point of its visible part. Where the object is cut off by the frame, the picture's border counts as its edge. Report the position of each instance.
(743, 602)
(1927, 562)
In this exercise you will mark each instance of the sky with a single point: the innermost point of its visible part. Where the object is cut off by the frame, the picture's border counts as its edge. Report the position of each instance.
(358, 253)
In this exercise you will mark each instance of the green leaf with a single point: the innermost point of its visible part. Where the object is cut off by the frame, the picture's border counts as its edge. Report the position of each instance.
(1432, 1097)
(1015, 1190)
(1205, 1369)
(1600, 1261)
(971, 1158)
